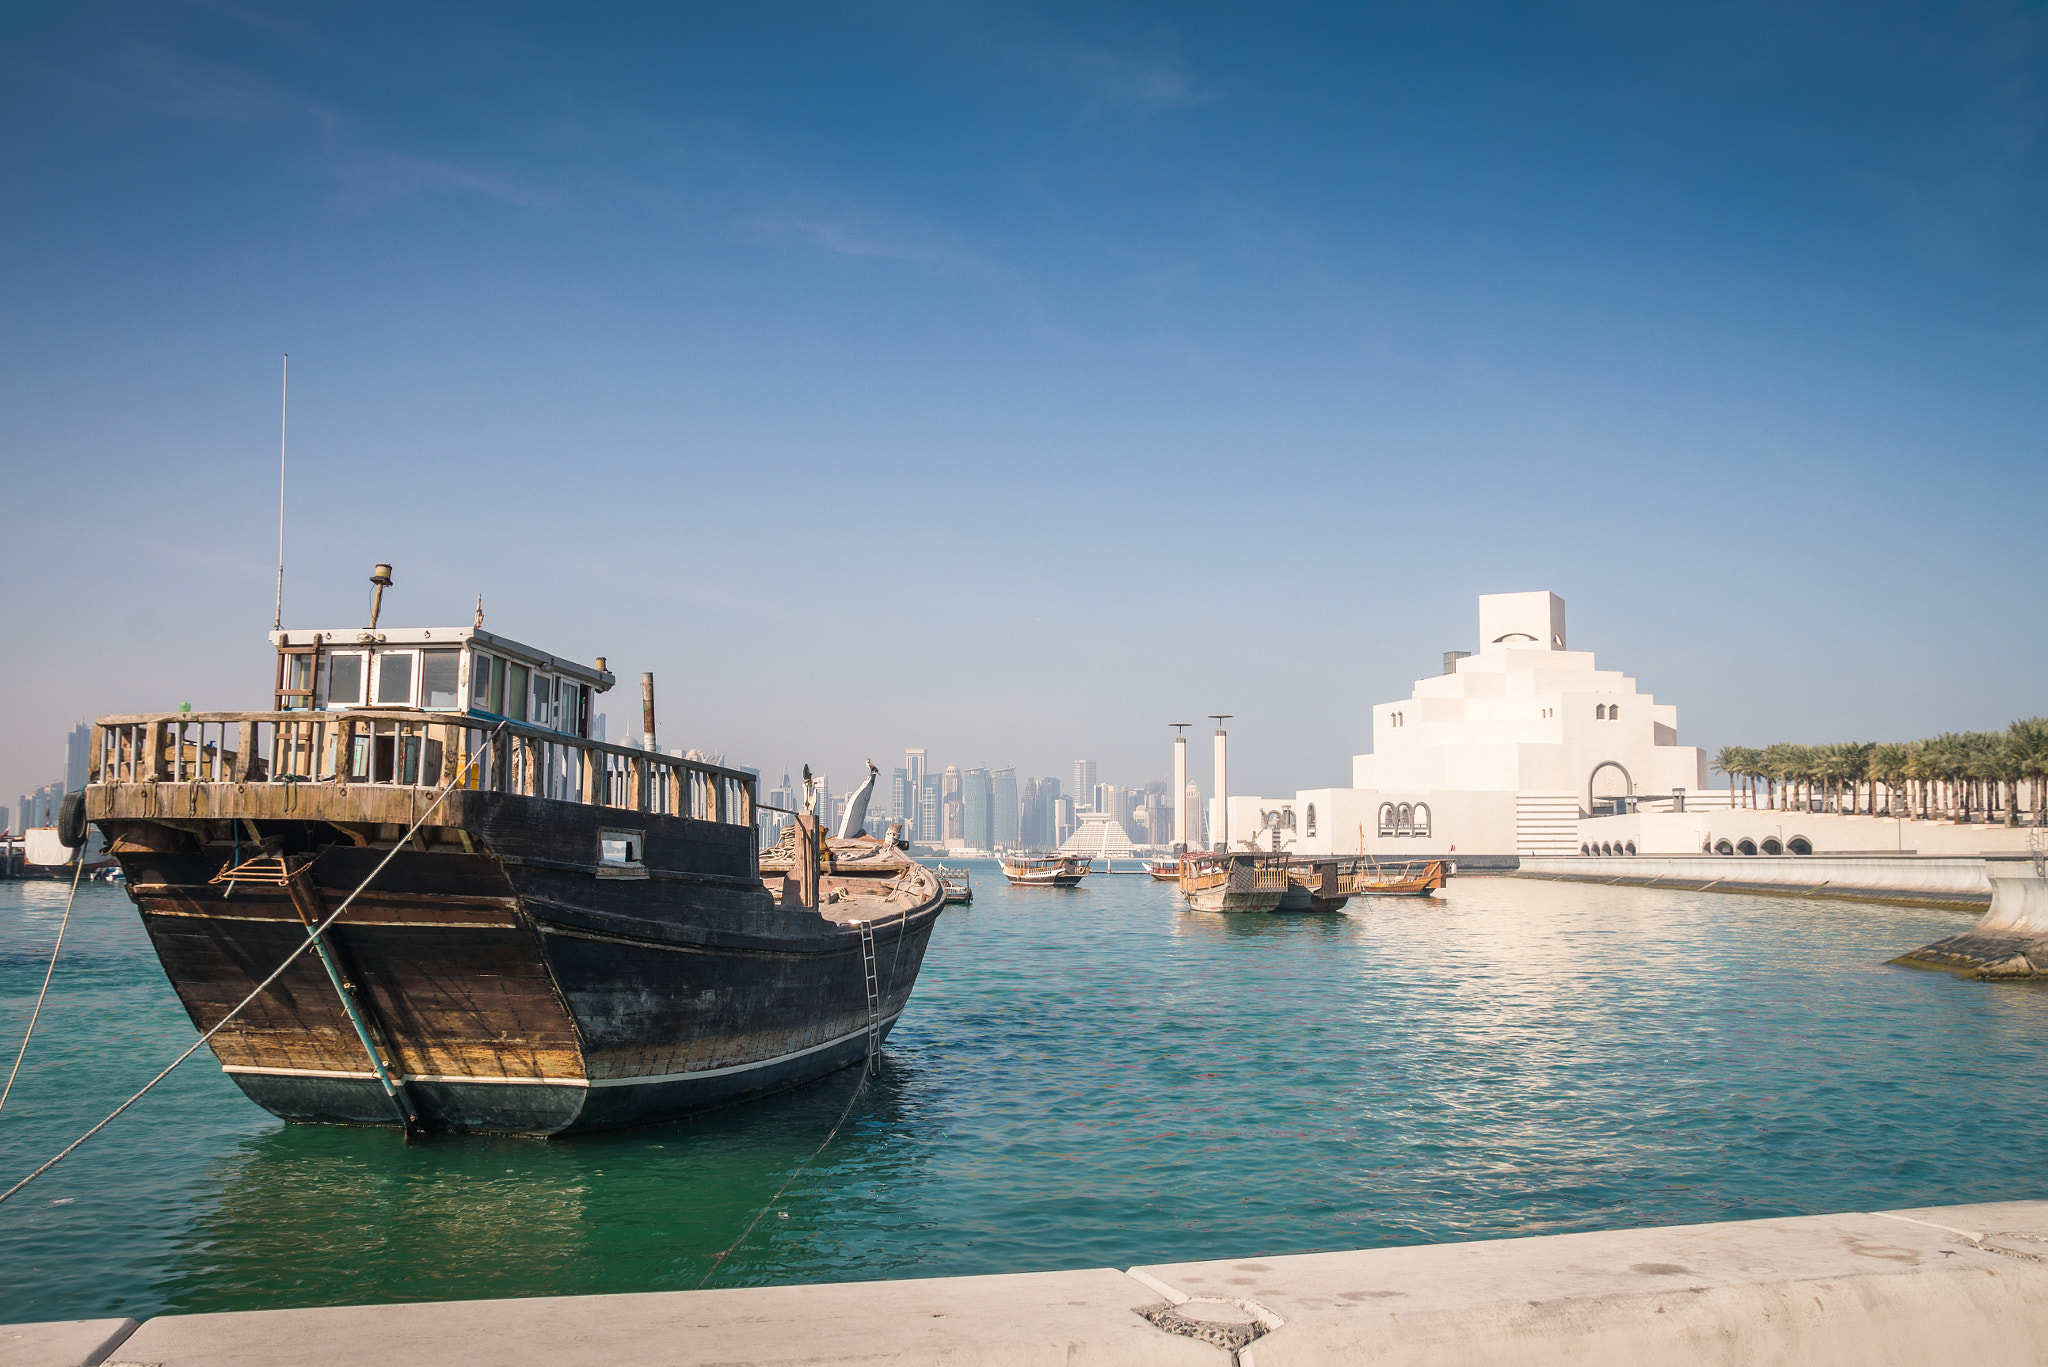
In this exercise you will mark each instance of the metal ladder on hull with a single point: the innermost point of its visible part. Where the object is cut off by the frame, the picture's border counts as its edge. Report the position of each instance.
(867, 963)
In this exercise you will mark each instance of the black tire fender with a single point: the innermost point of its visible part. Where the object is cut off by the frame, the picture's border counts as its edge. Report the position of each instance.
(71, 820)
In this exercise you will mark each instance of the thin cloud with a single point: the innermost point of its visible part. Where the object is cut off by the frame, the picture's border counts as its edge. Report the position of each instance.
(375, 175)
(1150, 84)
(159, 82)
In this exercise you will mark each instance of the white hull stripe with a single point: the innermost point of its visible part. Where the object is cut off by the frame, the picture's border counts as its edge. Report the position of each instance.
(641, 1081)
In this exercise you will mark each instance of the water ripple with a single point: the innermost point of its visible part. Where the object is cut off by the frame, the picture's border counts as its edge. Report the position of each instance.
(1094, 1078)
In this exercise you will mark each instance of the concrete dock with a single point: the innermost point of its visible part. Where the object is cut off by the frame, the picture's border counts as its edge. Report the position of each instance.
(1958, 884)
(1922, 1286)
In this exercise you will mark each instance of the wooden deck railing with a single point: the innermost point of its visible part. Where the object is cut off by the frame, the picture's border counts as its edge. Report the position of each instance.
(413, 749)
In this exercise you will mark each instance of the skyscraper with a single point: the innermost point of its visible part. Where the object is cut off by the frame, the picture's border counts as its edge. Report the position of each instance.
(949, 805)
(913, 764)
(1005, 824)
(977, 800)
(902, 800)
(77, 750)
(930, 813)
(1084, 781)
(1115, 802)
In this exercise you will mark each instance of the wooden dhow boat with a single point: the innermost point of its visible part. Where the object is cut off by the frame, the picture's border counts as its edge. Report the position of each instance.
(1164, 870)
(1044, 870)
(958, 884)
(1413, 878)
(1323, 883)
(548, 933)
(1234, 882)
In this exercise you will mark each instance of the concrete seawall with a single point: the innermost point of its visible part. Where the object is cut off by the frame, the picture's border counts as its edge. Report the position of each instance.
(2010, 942)
(1961, 884)
(1921, 1286)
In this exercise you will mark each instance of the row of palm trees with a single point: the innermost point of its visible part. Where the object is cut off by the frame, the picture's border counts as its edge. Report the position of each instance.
(1960, 775)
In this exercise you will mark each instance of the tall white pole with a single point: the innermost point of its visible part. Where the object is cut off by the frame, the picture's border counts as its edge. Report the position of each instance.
(1180, 788)
(283, 392)
(1222, 832)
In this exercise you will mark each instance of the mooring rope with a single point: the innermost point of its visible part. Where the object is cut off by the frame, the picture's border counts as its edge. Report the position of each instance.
(867, 1071)
(55, 950)
(311, 935)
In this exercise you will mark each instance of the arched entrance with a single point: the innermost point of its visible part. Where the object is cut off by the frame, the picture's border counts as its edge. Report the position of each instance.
(1608, 783)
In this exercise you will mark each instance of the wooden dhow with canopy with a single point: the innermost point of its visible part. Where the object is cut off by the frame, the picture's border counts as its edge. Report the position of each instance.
(561, 933)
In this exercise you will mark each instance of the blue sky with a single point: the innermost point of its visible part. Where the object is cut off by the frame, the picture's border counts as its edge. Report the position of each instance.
(1014, 380)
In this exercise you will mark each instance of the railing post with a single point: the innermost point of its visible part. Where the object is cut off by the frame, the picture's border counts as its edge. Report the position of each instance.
(587, 770)
(344, 729)
(153, 751)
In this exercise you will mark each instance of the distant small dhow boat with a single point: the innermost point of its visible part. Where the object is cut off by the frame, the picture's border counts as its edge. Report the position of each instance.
(1414, 878)
(1031, 870)
(958, 883)
(1233, 882)
(1164, 870)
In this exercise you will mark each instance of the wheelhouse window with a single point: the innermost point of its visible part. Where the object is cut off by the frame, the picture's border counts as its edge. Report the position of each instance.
(543, 708)
(344, 672)
(394, 678)
(515, 693)
(440, 682)
(487, 684)
(619, 847)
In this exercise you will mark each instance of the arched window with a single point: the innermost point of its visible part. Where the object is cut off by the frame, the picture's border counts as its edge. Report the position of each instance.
(1745, 846)
(1723, 847)
(1421, 818)
(1771, 846)
(1311, 819)
(1600, 712)
(1585, 849)
(1614, 713)
(1799, 844)
(1630, 848)
(1386, 818)
(1404, 820)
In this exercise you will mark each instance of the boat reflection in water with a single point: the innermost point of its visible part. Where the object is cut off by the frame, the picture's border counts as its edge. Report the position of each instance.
(318, 1215)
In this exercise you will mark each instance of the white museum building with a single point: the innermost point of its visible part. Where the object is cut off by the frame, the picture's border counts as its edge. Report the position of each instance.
(1501, 754)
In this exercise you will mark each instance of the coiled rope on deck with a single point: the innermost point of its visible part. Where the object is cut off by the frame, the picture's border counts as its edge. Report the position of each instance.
(312, 935)
(48, 973)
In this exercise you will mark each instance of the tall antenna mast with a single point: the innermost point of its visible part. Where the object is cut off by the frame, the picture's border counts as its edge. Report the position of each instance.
(283, 393)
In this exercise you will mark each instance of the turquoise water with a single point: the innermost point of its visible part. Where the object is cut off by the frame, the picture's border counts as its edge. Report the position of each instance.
(1088, 1078)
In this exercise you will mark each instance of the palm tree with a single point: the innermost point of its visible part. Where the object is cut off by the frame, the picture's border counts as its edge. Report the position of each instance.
(1888, 765)
(2028, 743)
(1776, 764)
(1830, 769)
(1728, 762)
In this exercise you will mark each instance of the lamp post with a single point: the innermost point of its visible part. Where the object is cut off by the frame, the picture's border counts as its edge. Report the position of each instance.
(1222, 780)
(1180, 786)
